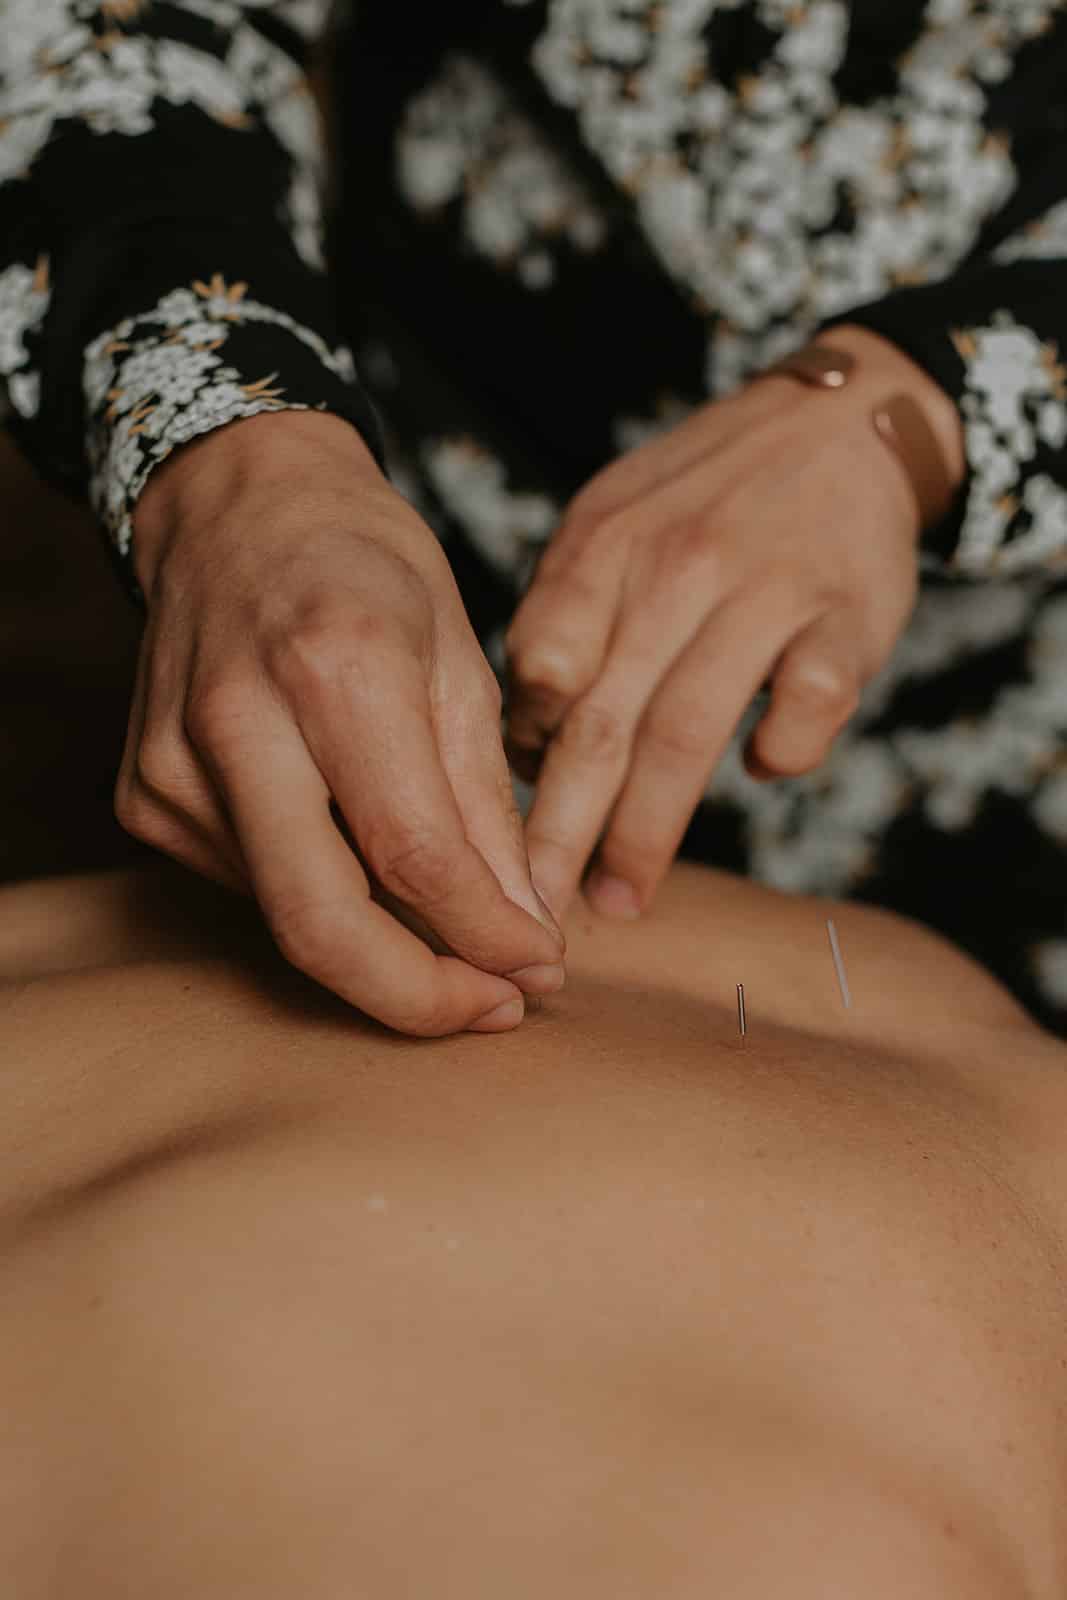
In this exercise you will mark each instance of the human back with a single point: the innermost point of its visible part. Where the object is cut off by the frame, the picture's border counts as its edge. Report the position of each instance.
(304, 1307)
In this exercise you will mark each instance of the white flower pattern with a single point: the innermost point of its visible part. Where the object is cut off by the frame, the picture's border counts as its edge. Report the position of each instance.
(1049, 959)
(1015, 400)
(464, 139)
(1044, 239)
(507, 526)
(57, 67)
(158, 380)
(25, 296)
(739, 190)
(745, 217)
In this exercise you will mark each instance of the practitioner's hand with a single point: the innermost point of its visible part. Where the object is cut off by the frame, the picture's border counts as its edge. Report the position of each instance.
(306, 642)
(771, 536)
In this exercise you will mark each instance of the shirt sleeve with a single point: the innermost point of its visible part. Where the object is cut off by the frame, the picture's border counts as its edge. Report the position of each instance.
(994, 336)
(160, 235)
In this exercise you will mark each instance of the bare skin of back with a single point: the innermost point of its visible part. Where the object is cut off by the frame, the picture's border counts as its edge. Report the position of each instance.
(615, 1305)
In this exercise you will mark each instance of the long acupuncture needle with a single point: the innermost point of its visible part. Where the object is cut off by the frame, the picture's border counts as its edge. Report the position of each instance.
(742, 1025)
(839, 965)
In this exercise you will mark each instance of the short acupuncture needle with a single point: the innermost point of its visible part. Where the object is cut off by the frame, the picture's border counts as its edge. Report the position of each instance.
(839, 965)
(742, 1025)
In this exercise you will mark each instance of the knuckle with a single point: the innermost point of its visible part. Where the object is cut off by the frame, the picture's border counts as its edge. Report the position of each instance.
(319, 645)
(822, 689)
(548, 645)
(306, 654)
(138, 815)
(543, 678)
(132, 807)
(306, 932)
(215, 712)
(546, 668)
(594, 733)
(691, 542)
(160, 767)
(678, 737)
(419, 869)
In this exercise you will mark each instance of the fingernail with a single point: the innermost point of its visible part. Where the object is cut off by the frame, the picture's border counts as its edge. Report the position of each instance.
(613, 896)
(544, 978)
(505, 1016)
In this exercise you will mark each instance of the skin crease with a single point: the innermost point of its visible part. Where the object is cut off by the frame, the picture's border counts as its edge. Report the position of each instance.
(608, 1306)
(771, 537)
(267, 663)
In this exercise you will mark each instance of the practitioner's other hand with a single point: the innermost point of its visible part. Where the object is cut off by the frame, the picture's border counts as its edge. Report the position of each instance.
(769, 538)
(305, 643)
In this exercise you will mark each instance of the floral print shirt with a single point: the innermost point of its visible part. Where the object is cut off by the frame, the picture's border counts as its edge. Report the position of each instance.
(160, 233)
(783, 162)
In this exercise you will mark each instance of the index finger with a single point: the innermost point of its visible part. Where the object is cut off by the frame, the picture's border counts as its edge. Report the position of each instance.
(316, 898)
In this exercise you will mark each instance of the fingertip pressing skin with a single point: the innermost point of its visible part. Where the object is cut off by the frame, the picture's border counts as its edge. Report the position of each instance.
(612, 896)
(544, 978)
(502, 1017)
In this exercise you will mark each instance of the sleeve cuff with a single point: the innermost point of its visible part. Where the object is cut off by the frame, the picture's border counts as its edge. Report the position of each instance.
(202, 356)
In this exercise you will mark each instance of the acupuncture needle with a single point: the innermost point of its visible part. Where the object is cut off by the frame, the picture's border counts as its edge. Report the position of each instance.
(839, 965)
(742, 1025)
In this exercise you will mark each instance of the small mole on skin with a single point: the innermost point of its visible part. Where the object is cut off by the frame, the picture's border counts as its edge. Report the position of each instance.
(377, 1202)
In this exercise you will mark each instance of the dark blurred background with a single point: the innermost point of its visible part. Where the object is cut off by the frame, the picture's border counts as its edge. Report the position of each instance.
(68, 647)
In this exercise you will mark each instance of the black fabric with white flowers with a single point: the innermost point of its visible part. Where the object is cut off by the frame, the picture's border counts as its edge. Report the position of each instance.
(565, 223)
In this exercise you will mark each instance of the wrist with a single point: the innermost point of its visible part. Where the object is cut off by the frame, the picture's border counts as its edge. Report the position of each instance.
(194, 485)
(882, 369)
